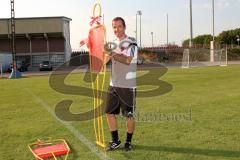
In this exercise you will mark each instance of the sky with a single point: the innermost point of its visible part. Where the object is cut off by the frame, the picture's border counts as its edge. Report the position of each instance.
(153, 16)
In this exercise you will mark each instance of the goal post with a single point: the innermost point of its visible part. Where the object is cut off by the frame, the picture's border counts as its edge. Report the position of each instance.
(185, 59)
(224, 57)
(203, 57)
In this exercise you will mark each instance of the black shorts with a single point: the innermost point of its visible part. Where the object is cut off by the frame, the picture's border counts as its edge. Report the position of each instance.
(124, 98)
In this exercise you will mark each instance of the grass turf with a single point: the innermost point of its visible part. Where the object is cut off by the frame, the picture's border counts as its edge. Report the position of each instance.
(197, 120)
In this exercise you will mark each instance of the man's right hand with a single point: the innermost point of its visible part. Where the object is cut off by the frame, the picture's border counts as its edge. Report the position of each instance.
(107, 57)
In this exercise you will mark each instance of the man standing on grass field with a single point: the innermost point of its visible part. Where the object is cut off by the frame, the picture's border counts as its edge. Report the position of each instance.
(122, 89)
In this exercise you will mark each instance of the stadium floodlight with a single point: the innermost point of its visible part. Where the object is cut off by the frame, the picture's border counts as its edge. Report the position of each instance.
(140, 38)
(191, 25)
(14, 63)
(213, 19)
(152, 38)
(136, 29)
(167, 29)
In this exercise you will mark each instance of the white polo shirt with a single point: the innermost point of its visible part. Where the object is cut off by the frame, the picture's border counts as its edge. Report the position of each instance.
(123, 75)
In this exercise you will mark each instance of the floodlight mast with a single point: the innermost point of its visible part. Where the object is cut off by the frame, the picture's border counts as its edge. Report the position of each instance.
(14, 63)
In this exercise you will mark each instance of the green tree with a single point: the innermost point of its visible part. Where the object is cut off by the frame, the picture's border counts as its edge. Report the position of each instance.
(186, 42)
(229, 37)
(226, 37)
(201, 39)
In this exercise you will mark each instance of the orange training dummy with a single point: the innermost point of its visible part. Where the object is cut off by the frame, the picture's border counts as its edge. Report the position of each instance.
(96, 41)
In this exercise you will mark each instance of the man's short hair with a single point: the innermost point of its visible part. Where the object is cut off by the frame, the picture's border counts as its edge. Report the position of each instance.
(120, 19)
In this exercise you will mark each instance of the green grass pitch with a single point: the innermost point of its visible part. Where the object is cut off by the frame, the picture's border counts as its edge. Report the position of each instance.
(199, 119)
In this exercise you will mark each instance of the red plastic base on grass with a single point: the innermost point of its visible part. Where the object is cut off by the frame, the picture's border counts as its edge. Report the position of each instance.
(46, 151)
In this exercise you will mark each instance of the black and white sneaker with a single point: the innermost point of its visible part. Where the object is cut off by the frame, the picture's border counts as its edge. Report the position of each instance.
(113, 145)
(127, 146)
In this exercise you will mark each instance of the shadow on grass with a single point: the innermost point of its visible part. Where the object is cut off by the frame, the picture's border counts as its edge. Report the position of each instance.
(73, 152)
(205, 152)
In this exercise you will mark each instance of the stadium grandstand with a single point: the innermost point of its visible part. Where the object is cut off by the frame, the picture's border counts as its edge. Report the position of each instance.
(38, 39)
